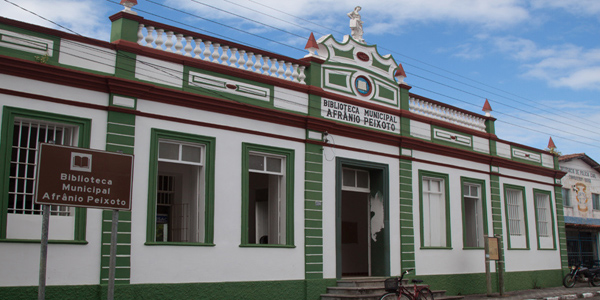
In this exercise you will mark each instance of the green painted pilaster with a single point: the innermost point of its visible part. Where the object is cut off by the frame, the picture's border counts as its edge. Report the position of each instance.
(404, 96)
(490, 126)
(404, 105)
(125, 65)
(407, 231)
(562, 232)
(496, 204)
(120, 136)
(313, 212)
(313, 77)
(313, 74)
(125, 29)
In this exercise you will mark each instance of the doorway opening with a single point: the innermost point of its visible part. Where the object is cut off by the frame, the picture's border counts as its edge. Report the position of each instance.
(362, 219)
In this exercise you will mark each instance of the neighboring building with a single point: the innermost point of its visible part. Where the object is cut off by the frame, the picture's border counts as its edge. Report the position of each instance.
(261, 176)
(581, 192)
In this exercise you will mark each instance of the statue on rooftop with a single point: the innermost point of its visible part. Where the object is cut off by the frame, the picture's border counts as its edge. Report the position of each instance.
(356, 25)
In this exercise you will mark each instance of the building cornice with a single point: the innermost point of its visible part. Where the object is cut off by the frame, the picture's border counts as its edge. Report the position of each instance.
(109, 84)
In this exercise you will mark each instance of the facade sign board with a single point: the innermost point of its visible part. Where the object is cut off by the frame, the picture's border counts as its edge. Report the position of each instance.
(357, 115)
(493, 248)
(84, 177)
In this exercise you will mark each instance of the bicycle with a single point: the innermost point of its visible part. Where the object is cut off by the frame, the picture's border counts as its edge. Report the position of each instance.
(395, 290)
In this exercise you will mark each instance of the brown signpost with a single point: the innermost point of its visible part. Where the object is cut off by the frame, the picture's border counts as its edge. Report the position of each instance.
(84, 178)
(80, 177)
(493, 248)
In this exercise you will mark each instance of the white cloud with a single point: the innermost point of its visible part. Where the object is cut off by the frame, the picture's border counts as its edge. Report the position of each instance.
(577, 7)
(85, 17)
(564, 65)
(380, 15)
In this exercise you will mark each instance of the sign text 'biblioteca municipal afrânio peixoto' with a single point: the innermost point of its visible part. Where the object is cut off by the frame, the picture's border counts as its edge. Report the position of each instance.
(83, 177)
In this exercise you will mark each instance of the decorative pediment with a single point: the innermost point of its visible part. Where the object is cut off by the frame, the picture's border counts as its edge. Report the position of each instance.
(353, 53)
(358, 70)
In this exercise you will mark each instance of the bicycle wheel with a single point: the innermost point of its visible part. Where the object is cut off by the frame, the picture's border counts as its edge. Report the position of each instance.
(389, 296)
(425, 294)
(406, 296)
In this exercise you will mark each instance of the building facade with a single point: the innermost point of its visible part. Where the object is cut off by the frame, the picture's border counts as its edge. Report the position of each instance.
(581, 192)
(259, 175)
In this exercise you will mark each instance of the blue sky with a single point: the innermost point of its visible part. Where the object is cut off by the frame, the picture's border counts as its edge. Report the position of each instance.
(537, 61)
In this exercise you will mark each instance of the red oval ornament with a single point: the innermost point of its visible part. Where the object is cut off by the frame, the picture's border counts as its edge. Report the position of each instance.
(362, 56)
(231, 86)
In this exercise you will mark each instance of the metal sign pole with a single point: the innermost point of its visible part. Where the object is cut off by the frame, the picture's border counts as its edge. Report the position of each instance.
(44, 252)
(113, 255)
(500, 265)
(488, 275)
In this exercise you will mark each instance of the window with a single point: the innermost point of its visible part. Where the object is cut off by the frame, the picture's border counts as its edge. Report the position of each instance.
(596, 201)
(473, 213)
(24, 131)
(267, 196)
(435, 219)
(566, 195)
(514, 206)
(544, 217)
(516, 217)
(355, 180)
(27, 135)
(542, 202)
(181, 188)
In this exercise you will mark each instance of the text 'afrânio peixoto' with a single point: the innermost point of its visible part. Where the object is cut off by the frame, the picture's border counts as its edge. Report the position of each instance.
(84, 189)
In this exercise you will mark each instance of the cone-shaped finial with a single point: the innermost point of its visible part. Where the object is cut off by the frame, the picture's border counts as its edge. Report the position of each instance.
(487, 108)
(400, 74)
(311, 46)
(312, 42)
(551, 144)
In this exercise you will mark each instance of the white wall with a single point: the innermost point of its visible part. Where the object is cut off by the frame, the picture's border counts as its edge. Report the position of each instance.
(457, 260)
(226, 261)
(532, 259)
(67, 263)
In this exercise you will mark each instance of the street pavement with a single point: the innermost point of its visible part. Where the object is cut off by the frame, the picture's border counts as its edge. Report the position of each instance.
(581, 290)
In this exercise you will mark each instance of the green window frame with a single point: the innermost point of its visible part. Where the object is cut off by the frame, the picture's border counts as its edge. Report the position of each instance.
(510, 214)
(465, 193)
(540, 219)
(249, 154)
(443, 181)
(9, 116)
(205, 183)
(596, 201)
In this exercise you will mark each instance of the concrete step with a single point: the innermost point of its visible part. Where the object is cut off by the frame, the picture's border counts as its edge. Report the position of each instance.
(370, 288)
(338, 290)
(361, 282)
(377, 296)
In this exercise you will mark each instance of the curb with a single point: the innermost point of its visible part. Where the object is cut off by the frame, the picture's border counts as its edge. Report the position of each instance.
(554, 296)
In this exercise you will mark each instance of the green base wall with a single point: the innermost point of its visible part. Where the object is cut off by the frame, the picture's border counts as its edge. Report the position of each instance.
(289, 290)
(465, 284)
(457, 284)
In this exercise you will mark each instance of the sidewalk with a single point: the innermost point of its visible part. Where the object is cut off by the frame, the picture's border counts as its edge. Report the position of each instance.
(581, 290)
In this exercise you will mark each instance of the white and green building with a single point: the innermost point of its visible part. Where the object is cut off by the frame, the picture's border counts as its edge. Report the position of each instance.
(260, 176)
(581, 194)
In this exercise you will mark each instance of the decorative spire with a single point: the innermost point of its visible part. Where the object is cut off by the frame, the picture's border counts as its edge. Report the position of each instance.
(551, 144)
(400, 74)
(311, 46)
(128, 5)
(552, 148)
(487, 108)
